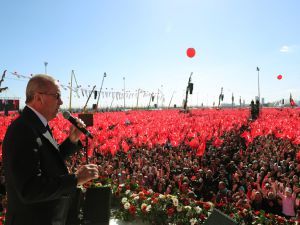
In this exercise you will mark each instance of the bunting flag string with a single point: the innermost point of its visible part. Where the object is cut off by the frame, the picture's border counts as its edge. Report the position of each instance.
(84, 91)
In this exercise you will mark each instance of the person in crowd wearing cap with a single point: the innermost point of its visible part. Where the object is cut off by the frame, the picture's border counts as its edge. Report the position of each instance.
(38, 184)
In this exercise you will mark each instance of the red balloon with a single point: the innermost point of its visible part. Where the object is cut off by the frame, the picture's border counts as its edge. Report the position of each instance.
(279, 77)
(191, 52)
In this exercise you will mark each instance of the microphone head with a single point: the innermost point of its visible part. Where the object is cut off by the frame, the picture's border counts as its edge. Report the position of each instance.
(66, 114)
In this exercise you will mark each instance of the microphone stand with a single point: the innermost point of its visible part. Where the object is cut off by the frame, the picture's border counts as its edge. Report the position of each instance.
(86, 149)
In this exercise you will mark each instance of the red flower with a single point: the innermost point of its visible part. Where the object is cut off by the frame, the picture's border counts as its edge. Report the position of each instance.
(202, 216)
(206, 206)
(132, 209)
(257, 213)
(170, 211)
(280, 219)
(220, 205)
(156, 195)
(154, 200)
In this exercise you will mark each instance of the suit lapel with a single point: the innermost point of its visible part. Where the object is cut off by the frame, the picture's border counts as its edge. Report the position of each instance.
(29, 115)
(48, 136)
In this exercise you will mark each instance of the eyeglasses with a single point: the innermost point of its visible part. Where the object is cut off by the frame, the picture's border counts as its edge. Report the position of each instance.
(56, 95)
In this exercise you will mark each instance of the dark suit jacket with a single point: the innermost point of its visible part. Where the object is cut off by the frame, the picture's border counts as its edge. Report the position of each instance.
(37, 180)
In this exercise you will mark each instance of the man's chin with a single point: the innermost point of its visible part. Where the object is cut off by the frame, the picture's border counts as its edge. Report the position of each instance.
(55, 114)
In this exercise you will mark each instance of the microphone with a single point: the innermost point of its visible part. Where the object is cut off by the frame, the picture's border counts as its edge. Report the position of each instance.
(67, 115)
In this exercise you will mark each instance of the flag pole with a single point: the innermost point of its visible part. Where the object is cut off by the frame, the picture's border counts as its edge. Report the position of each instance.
(258, 86)
(71, 89)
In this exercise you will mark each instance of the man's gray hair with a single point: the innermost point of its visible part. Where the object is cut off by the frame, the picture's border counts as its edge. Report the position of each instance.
(38, 83)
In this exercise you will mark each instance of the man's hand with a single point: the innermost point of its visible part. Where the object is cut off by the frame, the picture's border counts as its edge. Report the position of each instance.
(86, 173)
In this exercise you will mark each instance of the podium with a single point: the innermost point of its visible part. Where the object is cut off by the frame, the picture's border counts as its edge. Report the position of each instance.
(217, 217)
(74, 212)
(96, 207)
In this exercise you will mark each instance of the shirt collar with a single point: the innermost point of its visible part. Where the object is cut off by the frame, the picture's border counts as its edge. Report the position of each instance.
(40, 116)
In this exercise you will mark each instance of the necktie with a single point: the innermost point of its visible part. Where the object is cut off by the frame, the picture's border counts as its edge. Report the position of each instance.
(48, 128)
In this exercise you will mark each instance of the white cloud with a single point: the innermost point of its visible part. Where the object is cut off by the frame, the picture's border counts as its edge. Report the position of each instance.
(285, 49)
(289, 48)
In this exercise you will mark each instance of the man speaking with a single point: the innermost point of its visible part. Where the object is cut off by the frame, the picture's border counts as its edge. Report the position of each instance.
(38, 183)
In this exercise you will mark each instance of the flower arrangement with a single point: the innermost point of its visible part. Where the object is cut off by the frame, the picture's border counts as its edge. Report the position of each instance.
(166, 209)
(245, 216)
(155, 208)
(260, 217)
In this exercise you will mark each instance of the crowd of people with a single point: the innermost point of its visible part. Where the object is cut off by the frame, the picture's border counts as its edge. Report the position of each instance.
(261, 176)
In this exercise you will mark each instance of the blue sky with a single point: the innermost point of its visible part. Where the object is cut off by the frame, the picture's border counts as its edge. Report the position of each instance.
(146, 41)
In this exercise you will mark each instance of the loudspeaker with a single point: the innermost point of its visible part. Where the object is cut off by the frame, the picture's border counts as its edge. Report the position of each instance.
(217, 217)
(87, 118)
(191, 87)
(96, 209)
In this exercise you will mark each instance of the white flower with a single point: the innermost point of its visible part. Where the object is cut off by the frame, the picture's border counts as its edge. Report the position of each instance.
(193, 221)
(188, 207)
(211, 206)
(136, 198)
(127, 192)
(144, 205)
(127, 205)
(161, 196)
(198, 209)
(175, 201)
(124, 200)
(171, 196)
(150, 191)
(179, 208)
(148, 209)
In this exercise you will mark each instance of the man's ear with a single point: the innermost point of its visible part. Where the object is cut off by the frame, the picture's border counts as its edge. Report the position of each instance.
(38, 98)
